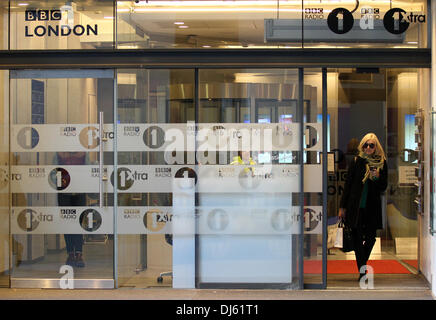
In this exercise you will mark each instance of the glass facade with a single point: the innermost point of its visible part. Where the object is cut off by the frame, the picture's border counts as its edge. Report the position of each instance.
(245, 230)
(180, 24)
(57, 25)
(271, 24)
(201, 176)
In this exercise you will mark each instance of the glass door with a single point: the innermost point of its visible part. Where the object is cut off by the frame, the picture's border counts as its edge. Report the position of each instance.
(61, 160)
(248, 195)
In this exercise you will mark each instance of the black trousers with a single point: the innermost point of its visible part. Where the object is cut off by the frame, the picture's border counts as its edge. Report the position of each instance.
(74, 242)
(364, 239)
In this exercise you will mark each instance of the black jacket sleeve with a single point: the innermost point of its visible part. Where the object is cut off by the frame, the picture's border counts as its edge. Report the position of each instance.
(347, 188)
(382, 182)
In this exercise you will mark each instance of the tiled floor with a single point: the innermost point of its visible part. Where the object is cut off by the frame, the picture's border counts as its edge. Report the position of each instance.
(144, 285)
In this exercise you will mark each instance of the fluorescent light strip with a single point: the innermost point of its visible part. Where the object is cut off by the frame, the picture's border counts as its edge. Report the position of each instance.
(215, 3)
(138, 10)
(204, 3)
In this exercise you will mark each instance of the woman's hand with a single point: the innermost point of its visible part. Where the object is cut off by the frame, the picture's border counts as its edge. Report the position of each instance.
(375, 173)
(342, 213)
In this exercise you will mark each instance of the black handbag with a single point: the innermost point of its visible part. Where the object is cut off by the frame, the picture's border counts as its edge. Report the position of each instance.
(347, 237)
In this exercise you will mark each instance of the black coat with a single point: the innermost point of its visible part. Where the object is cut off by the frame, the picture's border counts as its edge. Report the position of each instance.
(353, 191)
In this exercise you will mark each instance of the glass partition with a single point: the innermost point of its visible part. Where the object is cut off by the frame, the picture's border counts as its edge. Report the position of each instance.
(313, 178)
(248, 189)
(151, 105)
(4, 179)
(61, 158)
(404, 157)
(54, 24)
(216, 202)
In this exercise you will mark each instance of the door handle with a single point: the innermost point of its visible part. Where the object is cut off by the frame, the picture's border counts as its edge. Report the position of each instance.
(102, 175)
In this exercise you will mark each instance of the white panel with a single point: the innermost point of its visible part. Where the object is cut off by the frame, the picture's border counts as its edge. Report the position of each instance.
(61, 220)
(164, 137)
(184, 234)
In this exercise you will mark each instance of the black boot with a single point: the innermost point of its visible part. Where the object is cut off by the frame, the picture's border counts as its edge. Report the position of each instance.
(71, 260)
(79, 260)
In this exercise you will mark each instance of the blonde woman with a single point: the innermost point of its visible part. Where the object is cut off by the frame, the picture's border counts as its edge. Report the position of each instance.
(360, 206)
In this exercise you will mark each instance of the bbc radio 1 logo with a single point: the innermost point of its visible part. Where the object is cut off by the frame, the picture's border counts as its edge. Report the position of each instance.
(90, 220)
(28, 138)
(89, 137)
(59, 179)
(395, 20)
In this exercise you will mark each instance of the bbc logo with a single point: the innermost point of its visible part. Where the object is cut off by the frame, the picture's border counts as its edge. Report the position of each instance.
(43, 15)
(370, 11)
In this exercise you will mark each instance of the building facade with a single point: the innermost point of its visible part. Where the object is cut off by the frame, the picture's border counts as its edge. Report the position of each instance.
(205, 144)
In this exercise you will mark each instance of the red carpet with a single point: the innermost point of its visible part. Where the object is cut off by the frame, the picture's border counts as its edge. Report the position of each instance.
(413, 263)
(349, 266)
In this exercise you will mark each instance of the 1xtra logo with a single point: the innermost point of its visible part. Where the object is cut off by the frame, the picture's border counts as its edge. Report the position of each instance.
(89, 137)
(397, 21)
(127, 177)
(28, 219)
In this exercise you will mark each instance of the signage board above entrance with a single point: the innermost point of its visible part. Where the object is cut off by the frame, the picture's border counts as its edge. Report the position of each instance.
(63, 29)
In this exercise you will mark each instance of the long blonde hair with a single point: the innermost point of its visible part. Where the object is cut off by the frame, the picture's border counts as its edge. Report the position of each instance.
(378, 147)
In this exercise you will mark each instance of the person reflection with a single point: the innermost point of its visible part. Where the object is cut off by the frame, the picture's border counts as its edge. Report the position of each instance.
(352, 151)
(244, 158)
(74, 242)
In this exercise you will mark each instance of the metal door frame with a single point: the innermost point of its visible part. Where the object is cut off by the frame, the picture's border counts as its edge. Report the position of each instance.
(54, 283)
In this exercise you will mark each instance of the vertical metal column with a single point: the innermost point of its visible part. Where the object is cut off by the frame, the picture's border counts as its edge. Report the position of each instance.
(324, 177)
(301, 195)
(115, 170)
(196, 236)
